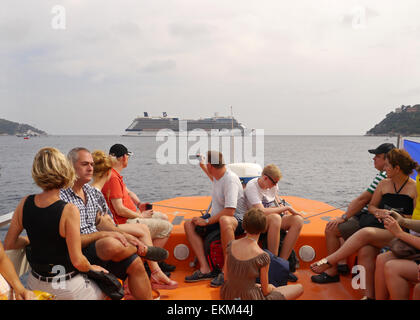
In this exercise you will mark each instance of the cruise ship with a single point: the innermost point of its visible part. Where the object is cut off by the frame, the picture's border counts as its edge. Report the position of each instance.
(217, 125)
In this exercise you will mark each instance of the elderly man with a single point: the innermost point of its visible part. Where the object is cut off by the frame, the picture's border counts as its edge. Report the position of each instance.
(102, 245)
(228, 208)
(348, 224)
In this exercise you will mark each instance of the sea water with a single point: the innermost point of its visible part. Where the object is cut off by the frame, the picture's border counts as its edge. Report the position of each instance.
(331, 169)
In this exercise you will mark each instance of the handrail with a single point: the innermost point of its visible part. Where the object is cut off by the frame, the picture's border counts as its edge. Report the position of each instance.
(5, 219)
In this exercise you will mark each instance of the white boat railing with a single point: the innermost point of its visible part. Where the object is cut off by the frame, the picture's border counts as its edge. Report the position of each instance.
(5, 219)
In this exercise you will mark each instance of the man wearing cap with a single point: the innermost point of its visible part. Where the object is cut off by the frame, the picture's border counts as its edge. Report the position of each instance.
(126, 206)
(348, 223)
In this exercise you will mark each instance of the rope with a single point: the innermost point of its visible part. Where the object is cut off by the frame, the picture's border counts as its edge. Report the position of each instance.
(205, 210)
(318, 214)
(179, 208)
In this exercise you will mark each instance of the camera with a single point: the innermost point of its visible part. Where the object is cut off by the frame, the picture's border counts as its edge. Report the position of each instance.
(194, 156)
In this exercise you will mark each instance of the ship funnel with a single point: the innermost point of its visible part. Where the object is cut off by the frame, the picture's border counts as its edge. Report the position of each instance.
(146, 114)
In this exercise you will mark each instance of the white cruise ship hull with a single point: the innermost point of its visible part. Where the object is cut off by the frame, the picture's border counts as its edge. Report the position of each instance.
(193, 133)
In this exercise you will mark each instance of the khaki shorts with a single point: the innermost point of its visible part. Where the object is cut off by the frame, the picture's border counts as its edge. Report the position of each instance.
(158, 225)
(349, 227)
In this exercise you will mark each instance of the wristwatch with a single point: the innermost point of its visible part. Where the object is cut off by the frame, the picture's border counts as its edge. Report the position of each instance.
(344, 217)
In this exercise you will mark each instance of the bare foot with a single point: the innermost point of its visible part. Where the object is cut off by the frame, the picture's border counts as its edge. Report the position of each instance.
(320, 266)
(160, 281)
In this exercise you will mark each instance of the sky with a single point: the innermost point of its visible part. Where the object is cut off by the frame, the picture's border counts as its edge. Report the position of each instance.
(304, 67)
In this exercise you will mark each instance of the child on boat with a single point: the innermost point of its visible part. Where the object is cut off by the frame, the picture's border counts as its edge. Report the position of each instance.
(246, 261)
(262, 193)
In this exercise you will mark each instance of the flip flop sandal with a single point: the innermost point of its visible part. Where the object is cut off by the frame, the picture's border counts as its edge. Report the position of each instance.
(320, 263)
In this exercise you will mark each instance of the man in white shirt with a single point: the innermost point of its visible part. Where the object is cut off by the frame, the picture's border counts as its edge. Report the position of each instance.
(228, 208)
(262, 193)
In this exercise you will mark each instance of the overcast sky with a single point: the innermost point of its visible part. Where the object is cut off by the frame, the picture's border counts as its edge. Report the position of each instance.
(289, 67)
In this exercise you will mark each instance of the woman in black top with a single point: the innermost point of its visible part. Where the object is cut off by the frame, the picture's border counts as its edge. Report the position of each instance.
(53, 228)
(398, 192)
(393, 276)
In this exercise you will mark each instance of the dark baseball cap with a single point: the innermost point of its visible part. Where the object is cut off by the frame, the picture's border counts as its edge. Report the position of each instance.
(383, 148)
(118, 150)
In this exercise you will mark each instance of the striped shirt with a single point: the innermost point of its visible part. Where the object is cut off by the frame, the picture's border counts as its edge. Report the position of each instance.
(378, 178)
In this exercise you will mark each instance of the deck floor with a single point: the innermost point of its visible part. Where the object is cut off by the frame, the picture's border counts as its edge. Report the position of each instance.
(312, 234)
(202, 290)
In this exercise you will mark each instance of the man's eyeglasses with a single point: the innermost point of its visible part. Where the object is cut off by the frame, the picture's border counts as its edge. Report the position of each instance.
(271, 179)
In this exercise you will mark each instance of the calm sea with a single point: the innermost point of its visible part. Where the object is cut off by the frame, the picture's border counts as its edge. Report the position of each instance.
(331, 169)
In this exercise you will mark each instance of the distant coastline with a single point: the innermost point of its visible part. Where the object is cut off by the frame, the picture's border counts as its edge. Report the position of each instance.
(10, 128)
(404, 121)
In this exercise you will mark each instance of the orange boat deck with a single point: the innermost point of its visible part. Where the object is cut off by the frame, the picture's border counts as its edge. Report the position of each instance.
(312, 234)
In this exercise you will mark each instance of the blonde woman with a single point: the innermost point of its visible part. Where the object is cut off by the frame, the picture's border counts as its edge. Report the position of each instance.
(101, 174)
(53, 229)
